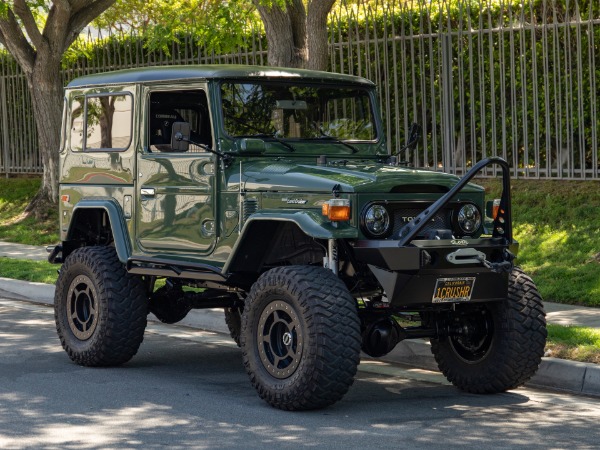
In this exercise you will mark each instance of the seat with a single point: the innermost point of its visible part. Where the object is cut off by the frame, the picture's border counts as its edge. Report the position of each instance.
(161, 124)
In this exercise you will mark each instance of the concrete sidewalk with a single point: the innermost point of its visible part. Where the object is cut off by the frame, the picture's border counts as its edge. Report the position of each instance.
(21, 251)
(583, 378)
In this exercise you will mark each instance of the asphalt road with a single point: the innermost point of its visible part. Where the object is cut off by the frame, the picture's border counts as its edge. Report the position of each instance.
(187, 389)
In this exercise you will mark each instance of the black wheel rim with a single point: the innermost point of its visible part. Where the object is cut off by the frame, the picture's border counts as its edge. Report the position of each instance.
(82, 307)
(476, 345)
(280, 340)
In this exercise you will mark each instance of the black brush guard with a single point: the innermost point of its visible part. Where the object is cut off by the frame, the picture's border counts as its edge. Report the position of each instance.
(409, 269)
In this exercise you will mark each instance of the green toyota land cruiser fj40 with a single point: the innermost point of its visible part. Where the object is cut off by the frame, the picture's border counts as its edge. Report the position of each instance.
(272, 192)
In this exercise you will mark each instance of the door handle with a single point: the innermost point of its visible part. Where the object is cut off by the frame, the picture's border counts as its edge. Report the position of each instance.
(148, 192)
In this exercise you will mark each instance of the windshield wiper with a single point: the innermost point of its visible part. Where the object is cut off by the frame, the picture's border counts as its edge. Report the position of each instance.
(325, 137)
(261, 134)
(273, 137)
(337, 141)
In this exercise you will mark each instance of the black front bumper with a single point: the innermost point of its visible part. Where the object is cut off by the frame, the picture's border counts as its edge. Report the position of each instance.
(409, 275)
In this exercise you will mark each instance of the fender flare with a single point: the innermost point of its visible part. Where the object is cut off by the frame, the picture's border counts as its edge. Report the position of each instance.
(116, 218)
(309, 222)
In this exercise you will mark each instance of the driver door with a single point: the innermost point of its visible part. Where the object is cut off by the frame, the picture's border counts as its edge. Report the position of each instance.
(175, 207)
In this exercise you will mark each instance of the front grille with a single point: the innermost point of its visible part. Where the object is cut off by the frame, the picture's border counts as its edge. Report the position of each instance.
(250, 207)
(403, 214)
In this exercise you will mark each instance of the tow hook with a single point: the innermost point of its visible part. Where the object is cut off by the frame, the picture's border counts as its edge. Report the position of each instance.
(503, 266)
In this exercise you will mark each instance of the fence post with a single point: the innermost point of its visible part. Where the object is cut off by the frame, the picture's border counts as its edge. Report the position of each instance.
(4, 110)
(447, 104)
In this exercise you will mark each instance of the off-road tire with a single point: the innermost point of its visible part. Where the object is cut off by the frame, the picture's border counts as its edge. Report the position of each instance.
(233, 319)
(514, 348)
(323, 332)
(168, 304)
(100, 310)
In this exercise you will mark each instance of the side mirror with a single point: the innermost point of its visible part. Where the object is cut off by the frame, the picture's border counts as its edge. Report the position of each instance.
(180, 135)
(252, 146)
(414, 135)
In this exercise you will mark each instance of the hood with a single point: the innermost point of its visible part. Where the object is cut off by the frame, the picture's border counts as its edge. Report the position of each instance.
(359, 177)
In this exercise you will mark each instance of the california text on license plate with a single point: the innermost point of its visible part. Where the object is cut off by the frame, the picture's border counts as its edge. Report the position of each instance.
(453, 290)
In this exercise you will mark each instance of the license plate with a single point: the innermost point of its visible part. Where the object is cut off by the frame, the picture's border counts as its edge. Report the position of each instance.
(453, 290)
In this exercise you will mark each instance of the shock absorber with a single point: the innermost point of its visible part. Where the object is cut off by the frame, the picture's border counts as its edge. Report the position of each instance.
(331, 260)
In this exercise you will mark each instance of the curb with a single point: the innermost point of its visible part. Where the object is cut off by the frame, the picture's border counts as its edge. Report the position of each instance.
(27, 290)
(553, 373)
(570, 376)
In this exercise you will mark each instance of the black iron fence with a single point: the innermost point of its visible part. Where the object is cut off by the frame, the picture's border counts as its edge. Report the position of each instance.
(509, 78)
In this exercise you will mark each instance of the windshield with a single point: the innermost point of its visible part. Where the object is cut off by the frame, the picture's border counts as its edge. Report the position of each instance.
(286, 111)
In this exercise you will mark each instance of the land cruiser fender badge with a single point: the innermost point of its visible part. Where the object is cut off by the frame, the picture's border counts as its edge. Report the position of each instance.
(459, 242)
(294, 201)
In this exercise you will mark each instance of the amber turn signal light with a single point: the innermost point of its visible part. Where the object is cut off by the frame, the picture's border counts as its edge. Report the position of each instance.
(337, 209)
(493, 207)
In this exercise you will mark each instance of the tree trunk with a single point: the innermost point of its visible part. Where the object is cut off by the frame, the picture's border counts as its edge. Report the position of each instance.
(316, 31)
(297, 35)
(46, 88)
(284, 49)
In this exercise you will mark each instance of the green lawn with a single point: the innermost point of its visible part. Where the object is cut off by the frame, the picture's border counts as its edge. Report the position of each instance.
(557, 224)
(574, 343)
(15, 194)
(38, 271)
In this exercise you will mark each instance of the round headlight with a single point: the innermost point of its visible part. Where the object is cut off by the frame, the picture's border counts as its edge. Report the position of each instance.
(469, 218)
(377, 220)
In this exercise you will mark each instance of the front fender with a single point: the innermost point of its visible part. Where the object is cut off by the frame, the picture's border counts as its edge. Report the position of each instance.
(310, 222)
(253, 242)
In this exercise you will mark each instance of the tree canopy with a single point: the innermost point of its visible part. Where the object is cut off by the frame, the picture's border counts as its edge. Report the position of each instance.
(217, 23)
(30, 27)
(296, 30)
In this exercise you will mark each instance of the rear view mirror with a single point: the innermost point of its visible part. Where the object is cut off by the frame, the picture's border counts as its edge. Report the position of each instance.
(180, 137)
(291, 104)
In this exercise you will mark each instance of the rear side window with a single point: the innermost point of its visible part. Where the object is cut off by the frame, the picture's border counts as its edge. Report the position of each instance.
(101, 122)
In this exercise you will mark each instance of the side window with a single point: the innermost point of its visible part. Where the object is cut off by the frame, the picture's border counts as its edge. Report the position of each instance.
(100, 122)
(167, 108)
(108, 122)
